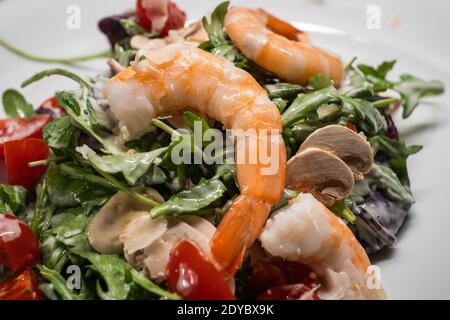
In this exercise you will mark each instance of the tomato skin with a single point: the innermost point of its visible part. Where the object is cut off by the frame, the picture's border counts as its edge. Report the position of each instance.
(19, 247)
(193, 277)
(352, 127)
(176, 18)
(18, 154)
(18, 128)
(24, 286)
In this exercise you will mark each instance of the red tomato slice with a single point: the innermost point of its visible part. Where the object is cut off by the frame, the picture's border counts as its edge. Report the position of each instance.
(24, 286)
(193, 277)
(17, 156)
(147, 12)
(352, 127)
(19, 247)
(17, 128)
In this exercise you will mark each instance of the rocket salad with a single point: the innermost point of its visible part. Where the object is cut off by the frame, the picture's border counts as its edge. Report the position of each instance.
(78, 184)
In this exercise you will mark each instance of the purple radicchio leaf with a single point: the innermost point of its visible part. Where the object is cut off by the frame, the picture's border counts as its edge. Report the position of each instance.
(379, 220)
(112, 28)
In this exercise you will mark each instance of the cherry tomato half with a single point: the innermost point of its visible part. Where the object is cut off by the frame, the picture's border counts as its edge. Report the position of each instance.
(17, 156)
(19, 247)
(17, 128)
(24, 286)
(193, 277)
(147, 12)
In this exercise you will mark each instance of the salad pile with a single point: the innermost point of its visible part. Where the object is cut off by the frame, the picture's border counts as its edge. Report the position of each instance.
(64, 163)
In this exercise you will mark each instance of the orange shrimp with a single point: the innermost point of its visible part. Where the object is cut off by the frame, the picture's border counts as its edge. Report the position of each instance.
(306, 231)
(274, 45)
(180, 76)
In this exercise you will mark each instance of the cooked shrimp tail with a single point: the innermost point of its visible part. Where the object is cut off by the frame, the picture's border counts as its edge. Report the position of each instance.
(269, 42)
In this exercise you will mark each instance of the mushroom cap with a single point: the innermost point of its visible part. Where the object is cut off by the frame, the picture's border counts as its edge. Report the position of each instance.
(350, 147)
(111, 220)
(320, 173)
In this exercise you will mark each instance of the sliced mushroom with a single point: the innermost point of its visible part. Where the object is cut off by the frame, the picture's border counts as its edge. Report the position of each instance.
(344, 143)
(320, 173)
(148, 242)
(110, 222)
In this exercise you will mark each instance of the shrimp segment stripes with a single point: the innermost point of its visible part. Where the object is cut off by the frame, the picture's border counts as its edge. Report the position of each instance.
(265, 40)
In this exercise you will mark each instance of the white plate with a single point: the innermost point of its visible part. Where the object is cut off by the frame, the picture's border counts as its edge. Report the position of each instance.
(410, 31)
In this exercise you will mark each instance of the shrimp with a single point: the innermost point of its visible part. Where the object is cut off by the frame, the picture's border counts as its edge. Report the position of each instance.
(180, 76)
(275, 46)
(306, 231)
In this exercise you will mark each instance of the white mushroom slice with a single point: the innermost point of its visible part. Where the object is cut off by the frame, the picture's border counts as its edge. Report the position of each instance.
(320, 173)
(200, 224)
(344, 143)
(113, 218)
(148, 242)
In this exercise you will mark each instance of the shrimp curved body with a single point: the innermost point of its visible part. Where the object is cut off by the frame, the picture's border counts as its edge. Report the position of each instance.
(274, 45)
(306, 231)
(180, 76)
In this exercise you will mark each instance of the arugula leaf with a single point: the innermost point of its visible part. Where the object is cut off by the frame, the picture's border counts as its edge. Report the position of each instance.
(398, 153)
(131, 165)
(78, 107)
(283, 90)
(382, 177)
(71, 230)
(119, 277)
(131, 27)
(305, 105)
(192, 200)
(15, 105)
(412, 89)
(149, 141)
(124, 56)
(380, 72)
(192, 120)
(67, 192)
(319, 81)
(355, 85)
(60, 133)
(215, 27)
(59, 284)
(44, 210)
(368, 118)
(12, 199)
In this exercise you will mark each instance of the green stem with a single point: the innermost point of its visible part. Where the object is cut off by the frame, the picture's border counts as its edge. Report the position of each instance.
(83, 175)
(55, 71)
(44, 162)
(69, 60)
(385, 102)
(122, 187)
(165, 127)
(349, 64)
